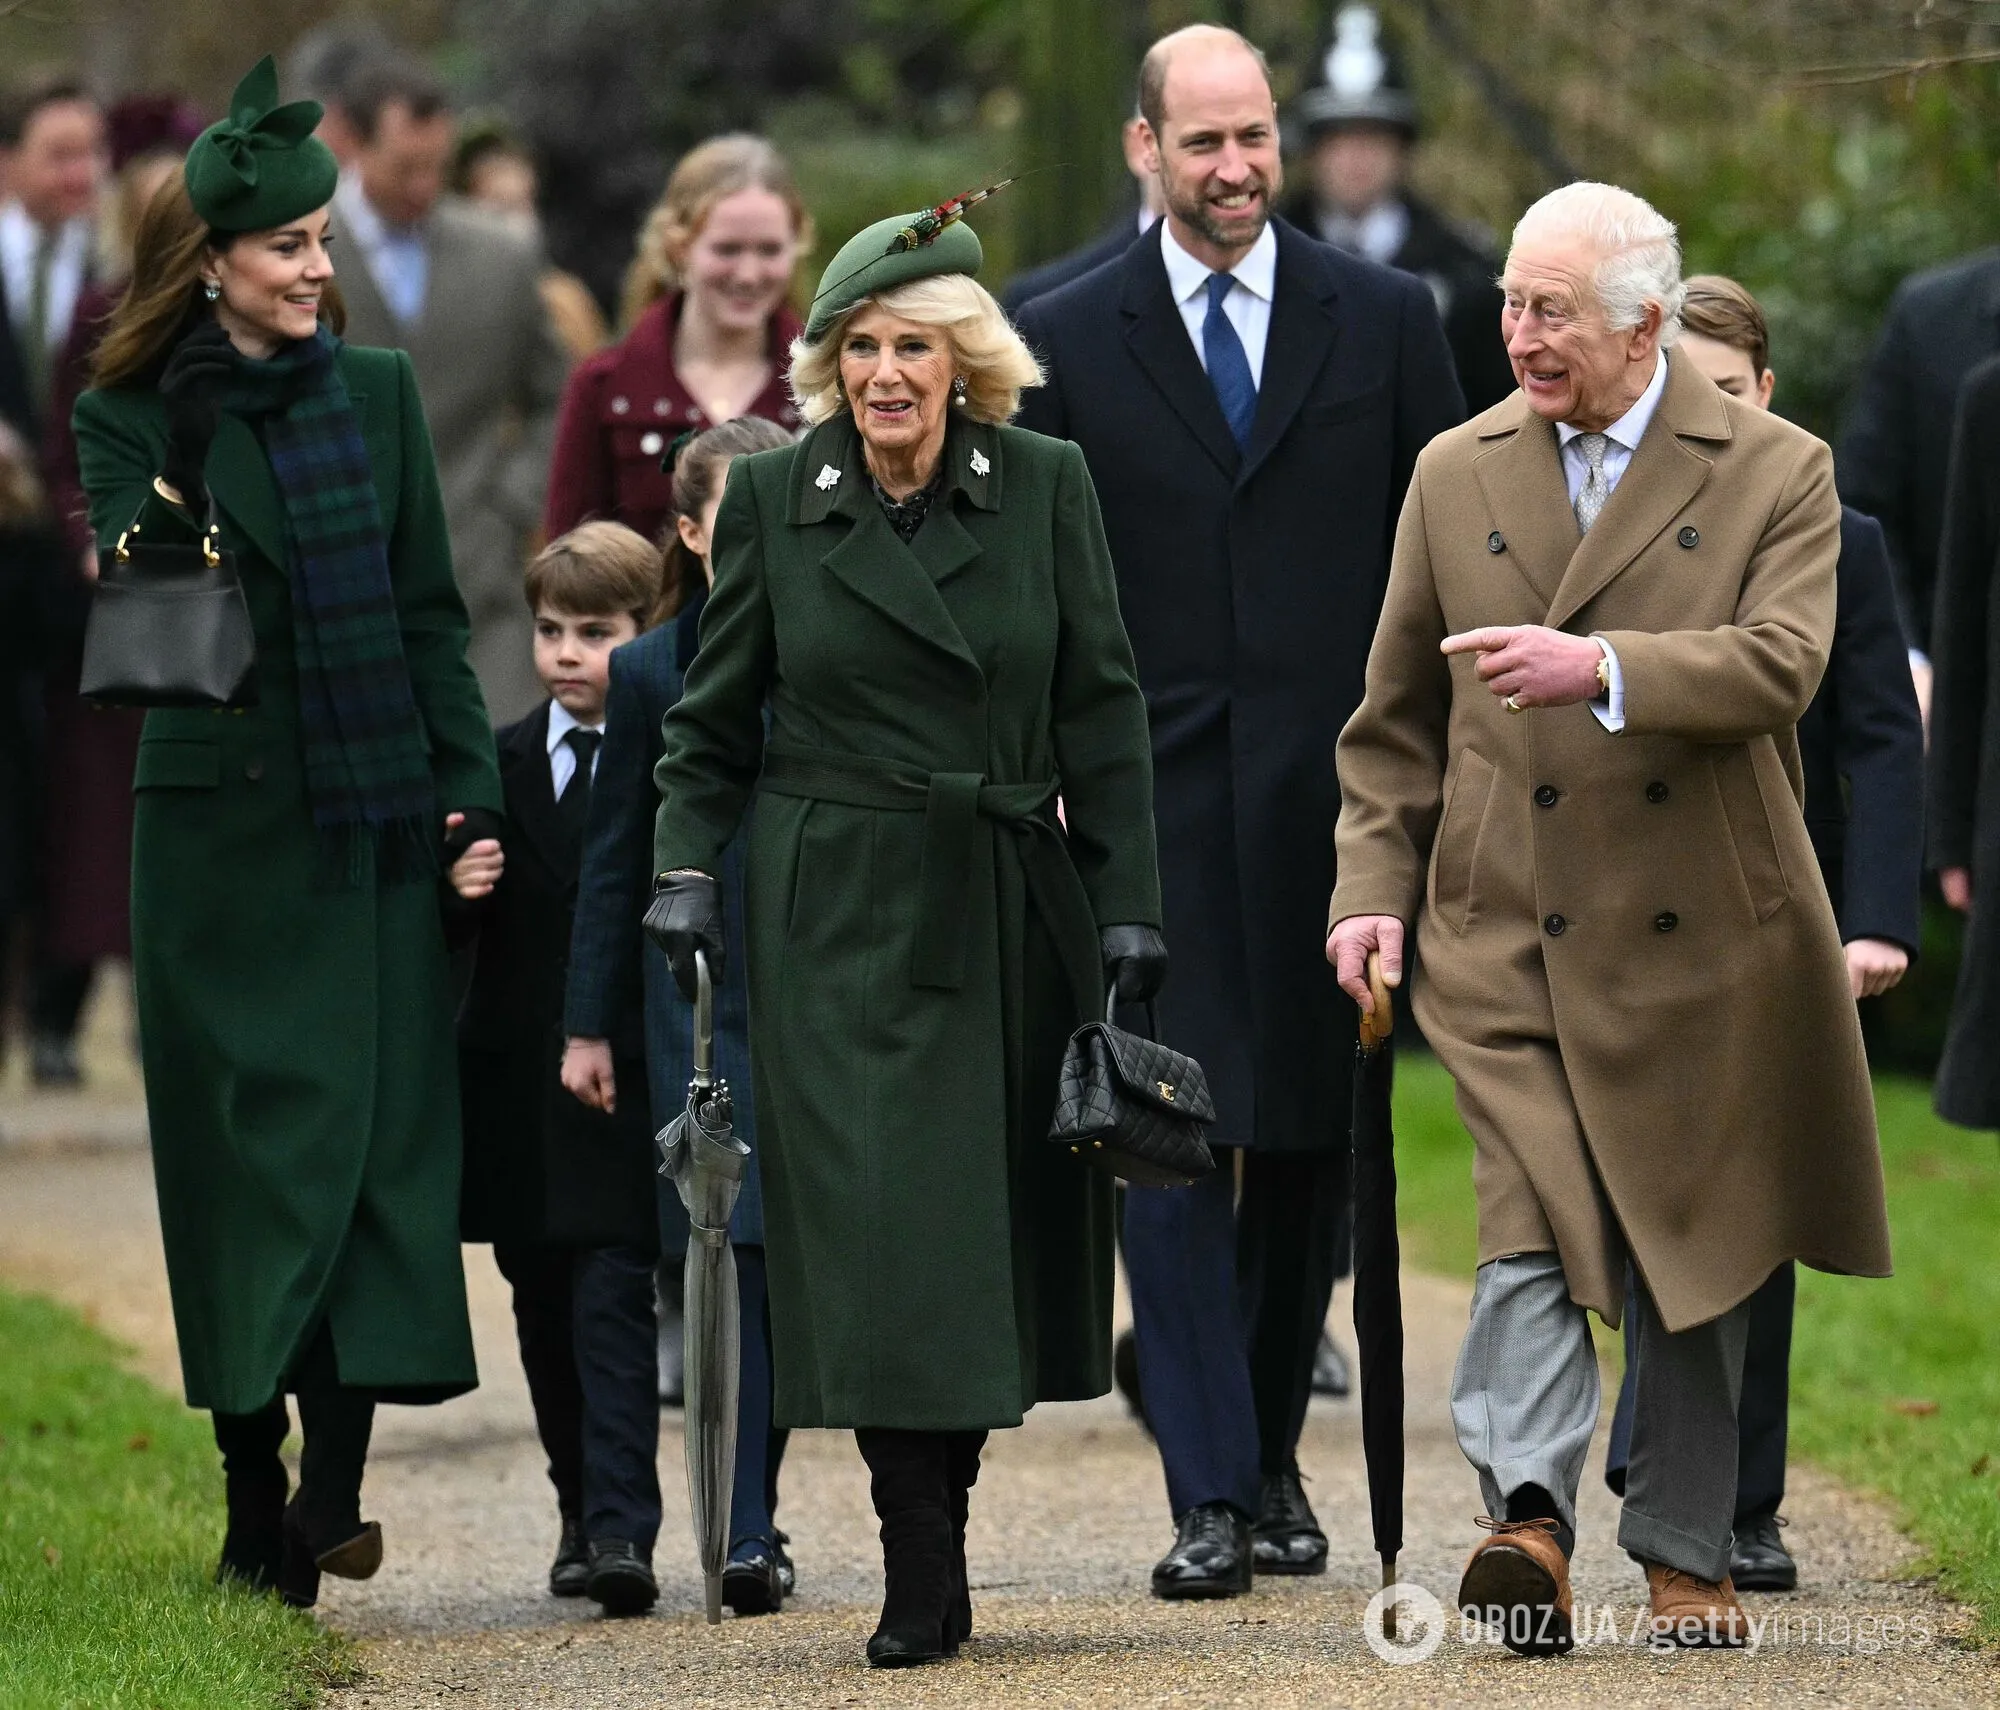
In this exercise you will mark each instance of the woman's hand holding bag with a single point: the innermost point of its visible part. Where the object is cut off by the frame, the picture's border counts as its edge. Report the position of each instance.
(189, 386)
(1135, 962)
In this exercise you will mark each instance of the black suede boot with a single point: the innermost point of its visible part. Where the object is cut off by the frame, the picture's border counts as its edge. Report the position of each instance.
(323, 1526)
(961, 1452)
(255, 1485)
(911, 1490)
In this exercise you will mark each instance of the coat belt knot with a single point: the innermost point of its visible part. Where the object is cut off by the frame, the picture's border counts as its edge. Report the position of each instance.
(953, 804)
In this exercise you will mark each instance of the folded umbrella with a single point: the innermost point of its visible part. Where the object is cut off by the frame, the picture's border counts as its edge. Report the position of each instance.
(700, 1154)
(1378, 1288)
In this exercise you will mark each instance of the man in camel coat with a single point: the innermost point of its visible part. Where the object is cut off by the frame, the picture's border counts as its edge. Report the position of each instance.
(1574, 773)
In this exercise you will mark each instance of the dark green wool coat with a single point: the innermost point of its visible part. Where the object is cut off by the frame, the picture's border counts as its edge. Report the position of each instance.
(301, 1077)
(922, 934)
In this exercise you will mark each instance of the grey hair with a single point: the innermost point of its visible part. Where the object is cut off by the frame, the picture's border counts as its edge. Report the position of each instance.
(1638, 250)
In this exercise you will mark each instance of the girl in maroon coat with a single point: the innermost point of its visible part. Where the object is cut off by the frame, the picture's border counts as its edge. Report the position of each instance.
(708, 335)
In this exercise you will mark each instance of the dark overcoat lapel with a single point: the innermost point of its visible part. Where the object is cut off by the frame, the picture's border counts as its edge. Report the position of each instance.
(1158, 340)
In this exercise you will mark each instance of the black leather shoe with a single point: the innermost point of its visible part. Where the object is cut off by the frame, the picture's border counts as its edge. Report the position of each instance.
(1759, 1561)
(1330, 1376)
(788, 1575)
(751, 1581)
(569, 1574)
(620, 1579)
(1287, 1537)
(1211, 1555)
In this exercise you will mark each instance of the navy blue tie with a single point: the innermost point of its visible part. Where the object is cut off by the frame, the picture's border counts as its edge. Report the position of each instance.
(1228, 367)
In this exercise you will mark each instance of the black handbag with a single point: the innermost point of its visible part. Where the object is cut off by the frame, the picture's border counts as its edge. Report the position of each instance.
(168, 626)
(1132, 1106)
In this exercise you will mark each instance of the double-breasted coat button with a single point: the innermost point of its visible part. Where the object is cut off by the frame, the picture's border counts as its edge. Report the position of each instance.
(1666, 921)
(253, 770)
(662, 406)
(1546, 794)
(1657, 792)
(1496, 542)
(620, 405)
(1555, 926)
(1689, 537)
(651, 444)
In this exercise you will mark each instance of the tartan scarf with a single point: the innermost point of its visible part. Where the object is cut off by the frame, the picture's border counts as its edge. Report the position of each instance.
(368, 778)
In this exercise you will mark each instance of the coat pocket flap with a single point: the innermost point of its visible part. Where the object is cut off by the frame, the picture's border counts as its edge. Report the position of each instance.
(1154, 1075)
(177, 765)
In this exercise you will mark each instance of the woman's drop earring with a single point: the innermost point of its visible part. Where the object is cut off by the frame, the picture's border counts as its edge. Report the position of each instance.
(211, 291)
(958, 388)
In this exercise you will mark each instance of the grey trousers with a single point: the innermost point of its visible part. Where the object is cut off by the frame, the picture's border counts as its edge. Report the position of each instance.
(1524, 1402)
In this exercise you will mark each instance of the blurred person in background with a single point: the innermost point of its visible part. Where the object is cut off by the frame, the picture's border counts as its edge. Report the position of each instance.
(86, 916)
(706, 332)
(1360, 131)
(295, 998)
(493, 170)
(1964, 764)
(1127, 224)
(325, 65)
(1861, 745)
(52, 161)
(461, 292)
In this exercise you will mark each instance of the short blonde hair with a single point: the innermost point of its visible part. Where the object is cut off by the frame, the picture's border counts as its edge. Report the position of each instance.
(996, 364)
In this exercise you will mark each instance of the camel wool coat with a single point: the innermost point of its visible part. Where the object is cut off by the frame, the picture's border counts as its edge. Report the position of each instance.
(1625, 956)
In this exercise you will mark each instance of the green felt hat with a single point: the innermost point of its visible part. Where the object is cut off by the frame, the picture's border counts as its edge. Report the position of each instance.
(891, 252)
(261, 166)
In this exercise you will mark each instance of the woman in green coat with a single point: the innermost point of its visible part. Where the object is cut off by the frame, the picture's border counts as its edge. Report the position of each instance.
(923, 599)
(295, 1009)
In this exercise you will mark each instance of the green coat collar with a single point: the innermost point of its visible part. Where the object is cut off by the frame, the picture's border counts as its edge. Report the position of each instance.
(830, 475)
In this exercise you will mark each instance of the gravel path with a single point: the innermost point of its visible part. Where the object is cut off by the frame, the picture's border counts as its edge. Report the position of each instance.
(1068, 1516)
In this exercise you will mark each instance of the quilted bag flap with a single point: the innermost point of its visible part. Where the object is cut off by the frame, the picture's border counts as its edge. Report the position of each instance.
(1165, 1080)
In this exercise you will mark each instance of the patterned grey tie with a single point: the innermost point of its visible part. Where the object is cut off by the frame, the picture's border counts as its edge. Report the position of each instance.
(1590, 499)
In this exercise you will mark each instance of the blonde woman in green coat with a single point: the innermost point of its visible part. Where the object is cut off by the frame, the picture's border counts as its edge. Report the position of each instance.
(923, 599)
(295, 1011)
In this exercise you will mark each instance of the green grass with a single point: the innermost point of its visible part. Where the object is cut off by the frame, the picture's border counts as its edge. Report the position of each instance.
(110, 1517)
(1895, 1384)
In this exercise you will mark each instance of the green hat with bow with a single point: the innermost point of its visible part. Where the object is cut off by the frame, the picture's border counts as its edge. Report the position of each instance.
(262, 166)
(893, 252)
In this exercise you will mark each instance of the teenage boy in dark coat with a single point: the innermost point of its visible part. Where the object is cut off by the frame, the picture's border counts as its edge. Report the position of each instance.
(565, 1193)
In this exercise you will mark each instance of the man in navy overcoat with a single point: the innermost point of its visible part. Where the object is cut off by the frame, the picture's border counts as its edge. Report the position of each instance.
(1251, 403)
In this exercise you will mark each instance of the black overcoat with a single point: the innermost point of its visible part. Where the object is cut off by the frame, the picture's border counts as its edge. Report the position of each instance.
(539, 1165)
(1250, 583)
(1963, 777)
(1861, 749)
(1896, 443)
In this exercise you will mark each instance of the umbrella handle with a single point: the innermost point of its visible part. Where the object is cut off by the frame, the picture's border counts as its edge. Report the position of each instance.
(1376, 1028)
(704, 1022)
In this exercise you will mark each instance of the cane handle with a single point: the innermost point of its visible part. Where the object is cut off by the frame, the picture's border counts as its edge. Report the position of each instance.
(1377, 1027)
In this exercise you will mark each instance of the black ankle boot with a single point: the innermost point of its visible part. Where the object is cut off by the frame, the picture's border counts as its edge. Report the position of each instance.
(961, 1474)
(255, 1486)
(908, 1482)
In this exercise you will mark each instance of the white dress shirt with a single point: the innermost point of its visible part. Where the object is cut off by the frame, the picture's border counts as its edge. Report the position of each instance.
(1622, 439)
(398, 257)
(1248, 304)
(1378, 234)
(562, 757)
(20, 242)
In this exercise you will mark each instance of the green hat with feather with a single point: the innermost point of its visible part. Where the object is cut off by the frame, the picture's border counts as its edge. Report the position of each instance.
(892, 252)
(262, 166)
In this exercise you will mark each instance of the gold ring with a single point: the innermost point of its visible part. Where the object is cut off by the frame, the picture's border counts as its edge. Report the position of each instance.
(1512, 703)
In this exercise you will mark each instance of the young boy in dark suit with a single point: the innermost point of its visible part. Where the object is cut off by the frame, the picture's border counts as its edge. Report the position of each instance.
(566, 1193)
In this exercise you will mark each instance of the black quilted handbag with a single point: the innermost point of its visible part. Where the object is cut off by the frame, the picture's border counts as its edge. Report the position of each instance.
(1132, 1106)
(168, 626)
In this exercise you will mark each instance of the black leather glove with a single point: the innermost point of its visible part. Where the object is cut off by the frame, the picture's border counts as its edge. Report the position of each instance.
(479, 823)
(685, 916)
(201, 362)
(1135, 961)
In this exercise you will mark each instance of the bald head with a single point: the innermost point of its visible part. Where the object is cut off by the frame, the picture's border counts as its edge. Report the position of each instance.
(1210, 138)
(1198, 54)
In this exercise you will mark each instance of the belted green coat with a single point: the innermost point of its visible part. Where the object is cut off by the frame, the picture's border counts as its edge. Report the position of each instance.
(301, 1073)
(922, 931)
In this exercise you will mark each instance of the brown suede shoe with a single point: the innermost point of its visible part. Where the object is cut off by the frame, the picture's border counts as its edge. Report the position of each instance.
(1694, 1613)
(1518, 1580)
